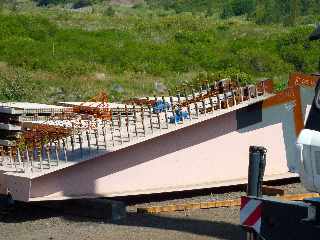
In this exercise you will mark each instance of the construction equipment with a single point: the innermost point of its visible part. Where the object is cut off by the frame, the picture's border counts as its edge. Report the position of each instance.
(160, 106)
(271, 219)
(179, 116)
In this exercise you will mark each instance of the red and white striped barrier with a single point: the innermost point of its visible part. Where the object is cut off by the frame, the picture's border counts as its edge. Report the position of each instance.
(250, 213)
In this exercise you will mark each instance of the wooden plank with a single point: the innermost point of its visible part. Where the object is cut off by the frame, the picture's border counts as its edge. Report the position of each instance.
(299, 197)
(216, 204)
(189, 206)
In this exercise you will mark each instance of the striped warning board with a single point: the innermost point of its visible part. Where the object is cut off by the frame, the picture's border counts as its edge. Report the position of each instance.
(250, 213)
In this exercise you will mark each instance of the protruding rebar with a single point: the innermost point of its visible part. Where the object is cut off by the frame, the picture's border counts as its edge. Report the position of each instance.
(226, 99)
(174, 115)
(80, 142)
(31, 156)
(159, 121)
(112, 129)
(195, 102)
(10, 156)
(204, 107)
(47, 149)
(57, 150)
(88, 140)
(179, 97)
(234, 97)
(120, 125)
(142, 121)
(19, 157)
(27, 158)
(64, 150)
(241, 94)
(211, 104)
(96, 135)
(219, 101)
(72, 142)
(39, 151)
(150, 118)
(189, 111)
(104, 132)
(166, 118)
(135, 119)
(127, 121)
(172, 104)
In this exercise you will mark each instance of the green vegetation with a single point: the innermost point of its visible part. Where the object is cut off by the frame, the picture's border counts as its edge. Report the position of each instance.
(53, 53)
(288, 12)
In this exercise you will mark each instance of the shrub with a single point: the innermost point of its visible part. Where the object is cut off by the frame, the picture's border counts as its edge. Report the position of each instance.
(14, 85)
(51, 2)
(109, 11)
(295, 49)
(232, 73)
(237, 8)
(162, 47)
(81, 4)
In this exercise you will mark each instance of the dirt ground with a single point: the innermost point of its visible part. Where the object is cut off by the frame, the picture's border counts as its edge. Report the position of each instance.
(25, 222)
(199, 224)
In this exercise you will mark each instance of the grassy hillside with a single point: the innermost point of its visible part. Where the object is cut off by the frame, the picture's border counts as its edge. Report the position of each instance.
(53, 54)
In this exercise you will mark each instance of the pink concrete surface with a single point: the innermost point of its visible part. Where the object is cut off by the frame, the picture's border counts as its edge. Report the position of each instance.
(19, 187)
(208, 154)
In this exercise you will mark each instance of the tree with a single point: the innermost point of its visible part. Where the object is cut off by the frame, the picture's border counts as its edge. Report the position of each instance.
(209, 8)
(53, 2)
(14, 5)
(294, 12)
(241, 7)
(227, 10)
(309, 7)
(109, 11)
(238, 7)
(82, 3)
(1, 5)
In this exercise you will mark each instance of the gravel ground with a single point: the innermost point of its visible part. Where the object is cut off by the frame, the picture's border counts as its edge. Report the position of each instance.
(27, 222)
(290, 187)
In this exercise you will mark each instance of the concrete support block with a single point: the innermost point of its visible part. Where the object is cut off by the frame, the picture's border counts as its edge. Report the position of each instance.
(93, 208)
(6, 201)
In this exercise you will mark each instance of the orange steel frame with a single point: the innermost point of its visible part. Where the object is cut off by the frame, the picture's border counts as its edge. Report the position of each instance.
(292, 93)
